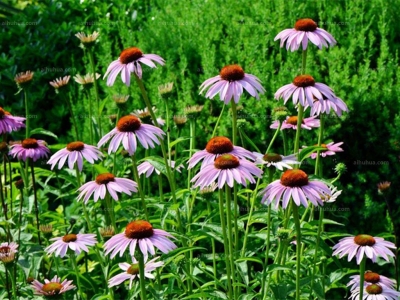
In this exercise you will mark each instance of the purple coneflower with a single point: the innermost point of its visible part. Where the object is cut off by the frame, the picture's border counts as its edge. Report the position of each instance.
(227, 168)
(303, 90)
(52, 287)
(276, 160)
(371, 278)
(60, 82)
(9, 123)
(375, 292)
(106, 183)
(145, 116)
(75, 242)
(295, 184)
(331, 149)
(326, 105)
(364, 244)
(305, 30)
(130, 61)
(291, 122)
(132, 271)
(8, 251)
(215, 147)
(128, 129)
(75, 152)
(148, 169)
(30, 148)
(230, 83)
(332, 197)
(142, 233)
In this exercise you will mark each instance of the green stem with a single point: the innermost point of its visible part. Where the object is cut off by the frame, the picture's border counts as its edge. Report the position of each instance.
(285, 143)
(96, 88)
(218, 120)
(298, 247)
(228, 196)
(71, 112)
(110, 210)
(26, 114)
(141, 276)
(191, 147)
(320, 223)
(160, 188)
(274, 137)
(209, 212)
(78, 280)
(225, 238)
(35, 199)
(137, 179)
(90, 118)
(234, 122)
(318, 162)
(115, 153)
(362, 272)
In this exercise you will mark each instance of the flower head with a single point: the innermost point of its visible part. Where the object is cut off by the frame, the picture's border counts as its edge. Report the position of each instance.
(74, 153)
(230, 83)
(145, 116)
(87, 40)
(364, 244)
(130, 61)
(294, 184)
(291, 122)
(23, 79)
(165, 89)
(9, 123)
(30, 148)
(375, 292)
(142, 233)
(148, 168)
(276, 160)
(303, 90)
(131, 271)
(75, 242)
(8, 251)
(180, 121)
(52, 287)
(383, 187)
(332, 197)
(127, 130)
(330, 149)
(60, 82)
(371, 278)
(87, 80)
(193, 110)
(215, 147)
(106, 183)
(227, 168)
(305, 30)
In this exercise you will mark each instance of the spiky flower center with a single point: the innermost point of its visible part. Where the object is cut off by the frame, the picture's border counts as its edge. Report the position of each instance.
(272, 157)
(304, 81)
(129, 124)
(52, 288)
(139, 229)
(219, 145)
(374, 289)
(133, 269)
(75, 146)
(2, 113)
(69, 238)
(3, 146)
(364, 240)
(372, 277)
(105, 178)
(30, 144)
(294, 178)
(292, 120)
(305, 25)
(5, 250)
(232, 73)
(226, 161)
(130, 55)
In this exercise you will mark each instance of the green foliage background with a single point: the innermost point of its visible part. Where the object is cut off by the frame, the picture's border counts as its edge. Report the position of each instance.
(197, 38)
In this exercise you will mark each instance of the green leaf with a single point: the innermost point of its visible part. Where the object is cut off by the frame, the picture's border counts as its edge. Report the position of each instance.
(249, 140)
(306, 152)
(44, 132)
(100, 169)
(178, 140)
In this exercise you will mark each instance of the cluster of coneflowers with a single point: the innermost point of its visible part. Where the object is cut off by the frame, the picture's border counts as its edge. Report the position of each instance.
(224, 166)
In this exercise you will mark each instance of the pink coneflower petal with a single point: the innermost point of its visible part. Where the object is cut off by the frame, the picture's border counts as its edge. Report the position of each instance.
(30, 148)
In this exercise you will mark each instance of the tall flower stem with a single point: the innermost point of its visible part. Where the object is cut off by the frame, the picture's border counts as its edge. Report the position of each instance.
(218, 120)
(209, 212)
(35, 199)
(78, 280)
(96, 89)
(79, 184)
(362, 272)
(71, 112)
(141, 276)
(26, 114)
(225, 239)
(234, 122)
(160, 188)
(4, 205)
(90, 118)
(140, 187)
(298, 247)
(274, 137)
(318, 162)
(192, 125)
(21, 202)
(110, 210)
(9, 268)
(228, 196)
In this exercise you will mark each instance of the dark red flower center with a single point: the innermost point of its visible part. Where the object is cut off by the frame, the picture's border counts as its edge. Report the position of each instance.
(75, 146)
(129, 124)
(364, 240)
(30, 144)
(294, 178)
(272, 157)
(293, 120)
(3, 146)
(5, 250)
(226, 161)
(232, 73)
(374, 289)
(2, 113)
(305, 25)
(219, 145)
(133, 269)
(322, 145)
(130, 55)
(371, 277)
(105, 178)
(139, 229)
(69, 238)
(304, 81)
(53, 288)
